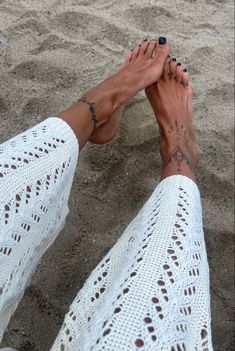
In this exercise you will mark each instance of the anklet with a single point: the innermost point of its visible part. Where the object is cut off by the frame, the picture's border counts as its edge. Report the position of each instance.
(91, 109)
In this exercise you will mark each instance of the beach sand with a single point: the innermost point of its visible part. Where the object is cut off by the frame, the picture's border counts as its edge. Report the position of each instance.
(53, 51)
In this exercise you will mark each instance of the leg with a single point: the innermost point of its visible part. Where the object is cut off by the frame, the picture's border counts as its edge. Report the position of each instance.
(151, 291)
(108, 130)
(36, 174)
(109, 98)
(171, 100)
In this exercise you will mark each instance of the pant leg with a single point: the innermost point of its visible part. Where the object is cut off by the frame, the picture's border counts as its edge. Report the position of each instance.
(151, 291)
(36, 174)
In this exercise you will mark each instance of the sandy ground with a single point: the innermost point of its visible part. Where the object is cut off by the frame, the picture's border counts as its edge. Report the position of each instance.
(51, 52)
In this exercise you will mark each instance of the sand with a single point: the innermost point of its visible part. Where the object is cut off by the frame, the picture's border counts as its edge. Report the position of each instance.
(50, 53)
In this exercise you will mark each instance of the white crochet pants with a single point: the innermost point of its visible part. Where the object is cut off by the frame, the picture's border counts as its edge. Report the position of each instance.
(150, 292)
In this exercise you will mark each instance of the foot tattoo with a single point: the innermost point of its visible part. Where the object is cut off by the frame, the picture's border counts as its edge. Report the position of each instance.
(171, 100)
(178, 156)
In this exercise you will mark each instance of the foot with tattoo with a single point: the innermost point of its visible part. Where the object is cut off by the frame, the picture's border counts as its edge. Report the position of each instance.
(108, 130)
(143, 67)
(171, 100)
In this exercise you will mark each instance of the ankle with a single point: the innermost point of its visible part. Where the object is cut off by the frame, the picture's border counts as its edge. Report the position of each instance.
(94, 108)
(178, 159)
(118, 90)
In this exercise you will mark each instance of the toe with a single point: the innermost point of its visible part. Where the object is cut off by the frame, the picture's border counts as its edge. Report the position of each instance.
(166, 68)
(150, 49)
(143, 48)
(173, 66)
(128, 58)
(135, 53)
(162, 51)
(179, 72)
(185, 77)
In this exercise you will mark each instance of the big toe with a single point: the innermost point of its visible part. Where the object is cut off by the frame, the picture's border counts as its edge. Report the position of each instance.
(162, 51)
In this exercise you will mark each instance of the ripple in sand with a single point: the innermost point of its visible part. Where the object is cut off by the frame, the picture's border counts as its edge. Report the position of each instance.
(3, 106)
(44, 72)
(51, 43)
(30, 25)
(150, 18)
(74, 25)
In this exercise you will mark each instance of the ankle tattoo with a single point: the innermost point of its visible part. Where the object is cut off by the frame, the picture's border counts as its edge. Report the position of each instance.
(177, 155)
(84, 100)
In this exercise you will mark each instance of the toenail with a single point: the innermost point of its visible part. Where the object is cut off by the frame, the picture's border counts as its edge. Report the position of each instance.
(174, 59)
(185, 70)
(178, 64)
(145, 40)
(162, 41)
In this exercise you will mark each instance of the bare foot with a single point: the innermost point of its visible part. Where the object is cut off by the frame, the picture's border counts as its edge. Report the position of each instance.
(94, 108)
(147, 51)
(171, 100)
(109, 129)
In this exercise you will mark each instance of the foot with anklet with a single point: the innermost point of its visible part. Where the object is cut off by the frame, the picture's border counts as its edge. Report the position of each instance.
(96, 115)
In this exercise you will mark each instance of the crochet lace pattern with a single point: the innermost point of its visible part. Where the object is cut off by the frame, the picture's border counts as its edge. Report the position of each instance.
(150, 292)
(36, 174)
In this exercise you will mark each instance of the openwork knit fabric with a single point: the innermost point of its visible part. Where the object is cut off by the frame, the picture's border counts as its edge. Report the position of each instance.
(36, 173)
(150, 292)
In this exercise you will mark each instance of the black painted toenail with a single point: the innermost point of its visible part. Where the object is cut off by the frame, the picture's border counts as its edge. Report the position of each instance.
(162, 41)
(185, 70)
(174, 59)
(145, 40)
(178, 64)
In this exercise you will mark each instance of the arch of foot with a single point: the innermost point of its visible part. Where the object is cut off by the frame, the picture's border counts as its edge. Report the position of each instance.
(36, 172)
(148, 301)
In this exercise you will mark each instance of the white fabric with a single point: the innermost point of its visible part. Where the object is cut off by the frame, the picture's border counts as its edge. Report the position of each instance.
(150, 292)
(36, 173)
